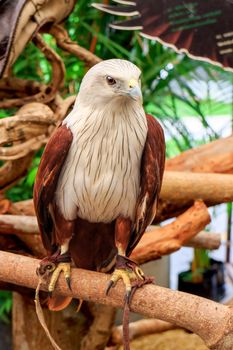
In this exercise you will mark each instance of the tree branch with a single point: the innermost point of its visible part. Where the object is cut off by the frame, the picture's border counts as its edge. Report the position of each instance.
(212, 188)
(213, 157)
(213, 322)
(169, 238)
(154, 244)
(65, 43)
(140, 328)
(206, 240)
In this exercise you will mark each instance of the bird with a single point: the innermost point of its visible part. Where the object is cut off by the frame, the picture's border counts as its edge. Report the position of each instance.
(202, 31)
(99, 178)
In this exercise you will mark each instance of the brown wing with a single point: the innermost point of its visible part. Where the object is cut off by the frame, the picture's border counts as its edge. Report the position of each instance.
(152, 168)
(46, 181)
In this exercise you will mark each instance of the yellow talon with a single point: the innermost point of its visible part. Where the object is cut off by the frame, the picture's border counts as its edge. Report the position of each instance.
(131, 274)
(139, 273)
(127, 276)
(62, 267)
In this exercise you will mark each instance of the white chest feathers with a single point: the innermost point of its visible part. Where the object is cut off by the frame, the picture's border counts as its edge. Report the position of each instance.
(100, 179)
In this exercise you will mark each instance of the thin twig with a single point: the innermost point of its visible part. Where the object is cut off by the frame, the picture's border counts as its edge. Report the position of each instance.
(65, 43)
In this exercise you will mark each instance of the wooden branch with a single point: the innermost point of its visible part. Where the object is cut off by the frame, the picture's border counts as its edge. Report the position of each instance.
(160, 241)
(140, 328)
(27, 131)
(58, 69)
(214, 157)
(194, 186)
(13, 86)
(213, 322)
(183, 187)
(66, 326)
(206, 240)
(19, 225)
(101, 328)
(46, 92)
(65, 43)
(169, 238)
(180, 189)
(21, 150)
(25, 207)
(12, 171)
(62, 106)
(26, 225)
(26, 229)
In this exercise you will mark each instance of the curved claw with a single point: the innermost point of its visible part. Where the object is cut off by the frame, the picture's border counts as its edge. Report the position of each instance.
(109, 286)
(139, 273)
(68, 282)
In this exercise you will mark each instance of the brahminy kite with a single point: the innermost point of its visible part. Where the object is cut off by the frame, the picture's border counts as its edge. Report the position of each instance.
(99, 177)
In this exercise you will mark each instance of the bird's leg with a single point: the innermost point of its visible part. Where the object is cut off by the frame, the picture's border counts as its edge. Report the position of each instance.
(129, 272)
(55, 264)
(126, 269)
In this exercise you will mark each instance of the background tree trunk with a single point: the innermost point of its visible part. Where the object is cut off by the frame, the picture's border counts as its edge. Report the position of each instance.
(67, 326)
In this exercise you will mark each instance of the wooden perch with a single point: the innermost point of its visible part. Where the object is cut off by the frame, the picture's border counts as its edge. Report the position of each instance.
(214, 157)
(169, 238)
(140, 328)
(213, 322)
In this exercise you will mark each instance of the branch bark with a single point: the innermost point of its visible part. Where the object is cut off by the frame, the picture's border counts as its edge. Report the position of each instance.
(193, 185)
(140, 328)
(101, 328)
(169, 238)
(46, 92)
(206, 240)
(65, 43)
(12, 171)
(213, 322)
(214, 157)
(180, 189)
(154, 244)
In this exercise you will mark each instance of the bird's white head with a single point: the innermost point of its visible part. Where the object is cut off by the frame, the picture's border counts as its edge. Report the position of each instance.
(109, 81)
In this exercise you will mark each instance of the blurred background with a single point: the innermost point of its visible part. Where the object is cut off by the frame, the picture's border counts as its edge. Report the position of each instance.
(193, 100)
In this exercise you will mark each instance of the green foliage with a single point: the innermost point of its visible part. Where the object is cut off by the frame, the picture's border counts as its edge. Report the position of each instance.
(5, 306)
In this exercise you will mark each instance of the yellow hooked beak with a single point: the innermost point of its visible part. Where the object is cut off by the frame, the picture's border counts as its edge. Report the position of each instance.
(134, 90)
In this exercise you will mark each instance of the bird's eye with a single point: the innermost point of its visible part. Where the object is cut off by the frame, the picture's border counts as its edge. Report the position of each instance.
(49, 267)
(110, 80)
